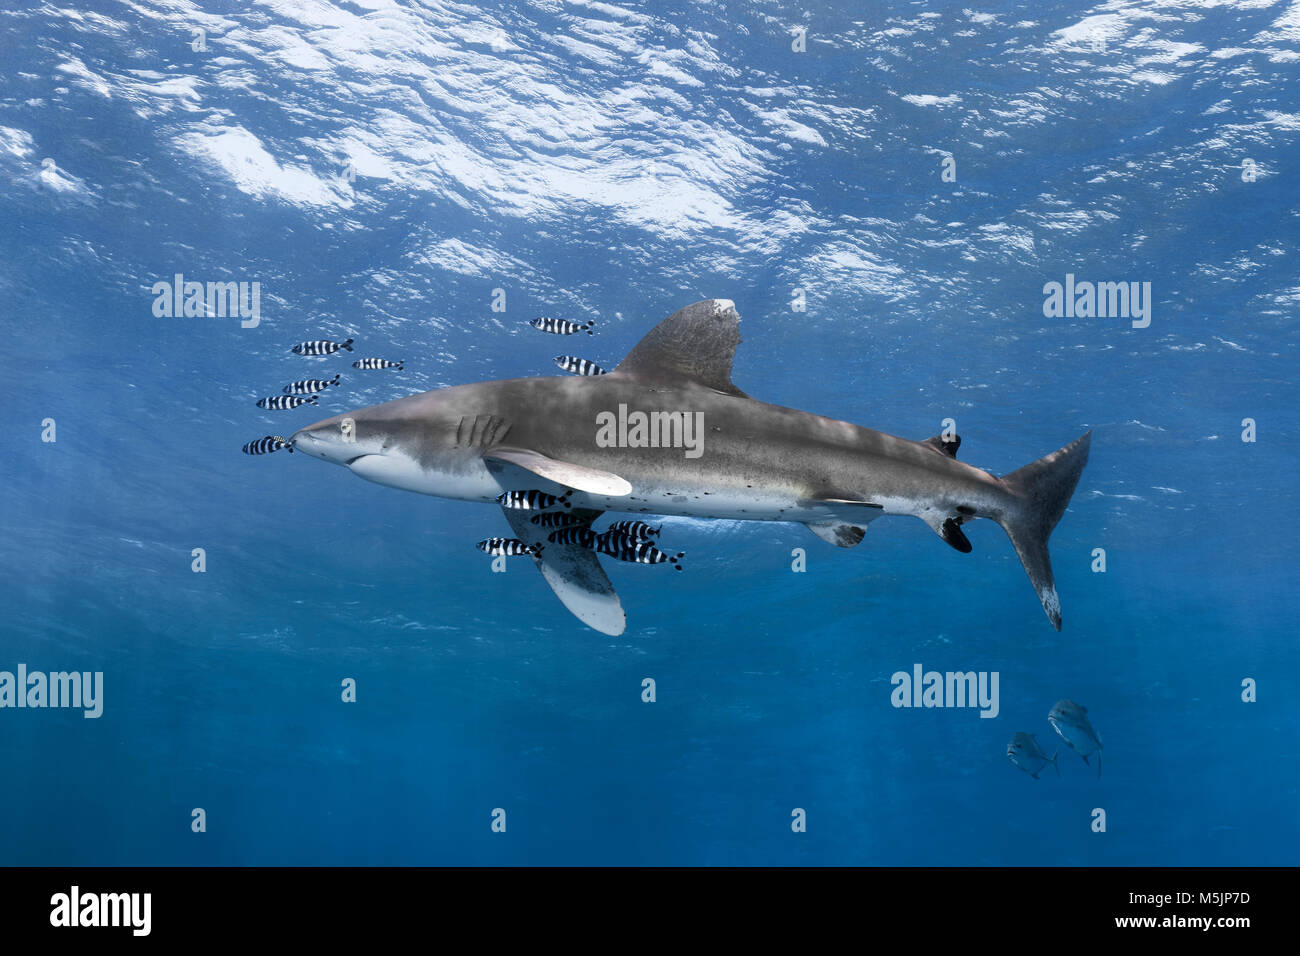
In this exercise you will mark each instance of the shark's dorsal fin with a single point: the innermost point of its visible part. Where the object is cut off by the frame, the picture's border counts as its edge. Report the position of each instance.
(948, 446)
(696, 344)
(578, 477)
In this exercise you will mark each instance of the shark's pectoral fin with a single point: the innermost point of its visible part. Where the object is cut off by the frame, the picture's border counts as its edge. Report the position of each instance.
(574, 574)
(580, 477)
(837, 533)
(578, 580)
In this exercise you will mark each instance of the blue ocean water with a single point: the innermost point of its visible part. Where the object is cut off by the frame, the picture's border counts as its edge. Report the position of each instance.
(380, 168)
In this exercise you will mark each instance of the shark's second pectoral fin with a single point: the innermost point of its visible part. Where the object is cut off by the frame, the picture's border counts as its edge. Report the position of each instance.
(574, 574)
(579, 477)
(838, 533)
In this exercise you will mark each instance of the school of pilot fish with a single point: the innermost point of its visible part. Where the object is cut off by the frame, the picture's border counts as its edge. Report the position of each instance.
(627, 541)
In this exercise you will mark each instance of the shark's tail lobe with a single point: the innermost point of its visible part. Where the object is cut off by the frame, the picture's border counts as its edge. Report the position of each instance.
(1043, 489)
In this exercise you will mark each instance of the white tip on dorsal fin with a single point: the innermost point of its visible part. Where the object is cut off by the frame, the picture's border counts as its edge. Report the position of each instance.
(696, 344)
(579, 477)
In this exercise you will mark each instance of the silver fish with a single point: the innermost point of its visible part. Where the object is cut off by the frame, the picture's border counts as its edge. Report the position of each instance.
(372, 364)
(1025, 753)
(1070, 721)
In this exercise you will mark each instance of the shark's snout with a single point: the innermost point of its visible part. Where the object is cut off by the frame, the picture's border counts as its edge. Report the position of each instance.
(332, 440)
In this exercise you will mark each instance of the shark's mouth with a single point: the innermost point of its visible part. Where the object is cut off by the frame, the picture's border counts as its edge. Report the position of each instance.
(352, 461)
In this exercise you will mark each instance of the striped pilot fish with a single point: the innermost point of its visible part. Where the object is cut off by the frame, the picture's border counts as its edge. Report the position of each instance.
(613, 542)
(559, 519)
(578, 366)
(636, 529)
(646, 553)
(582, 536)
(278, 402)
(562, 326)
(309, 385)
(264, 446)
(509, 547)
(320, 347)
(371, 364)
(532, 500)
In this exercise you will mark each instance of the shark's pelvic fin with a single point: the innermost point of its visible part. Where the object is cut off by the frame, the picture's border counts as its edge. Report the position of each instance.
(575, 575)
(696, 344)
(948, 446)
(579, 477)
(837, 533)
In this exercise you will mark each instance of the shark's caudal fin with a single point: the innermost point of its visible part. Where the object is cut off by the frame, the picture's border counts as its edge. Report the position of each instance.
(1043, 489)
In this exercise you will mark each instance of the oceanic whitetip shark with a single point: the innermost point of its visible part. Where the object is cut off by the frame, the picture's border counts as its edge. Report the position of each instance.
(749, 461)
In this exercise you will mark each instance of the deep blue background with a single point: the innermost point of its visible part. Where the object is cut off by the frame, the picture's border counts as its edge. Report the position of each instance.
(618, 163)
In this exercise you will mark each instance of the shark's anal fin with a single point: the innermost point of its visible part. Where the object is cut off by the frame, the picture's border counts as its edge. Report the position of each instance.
(948, 446)
(696, 344)
(838, 533)
(574, 574)
(951, 532)
(949, 529)
(579, 477)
